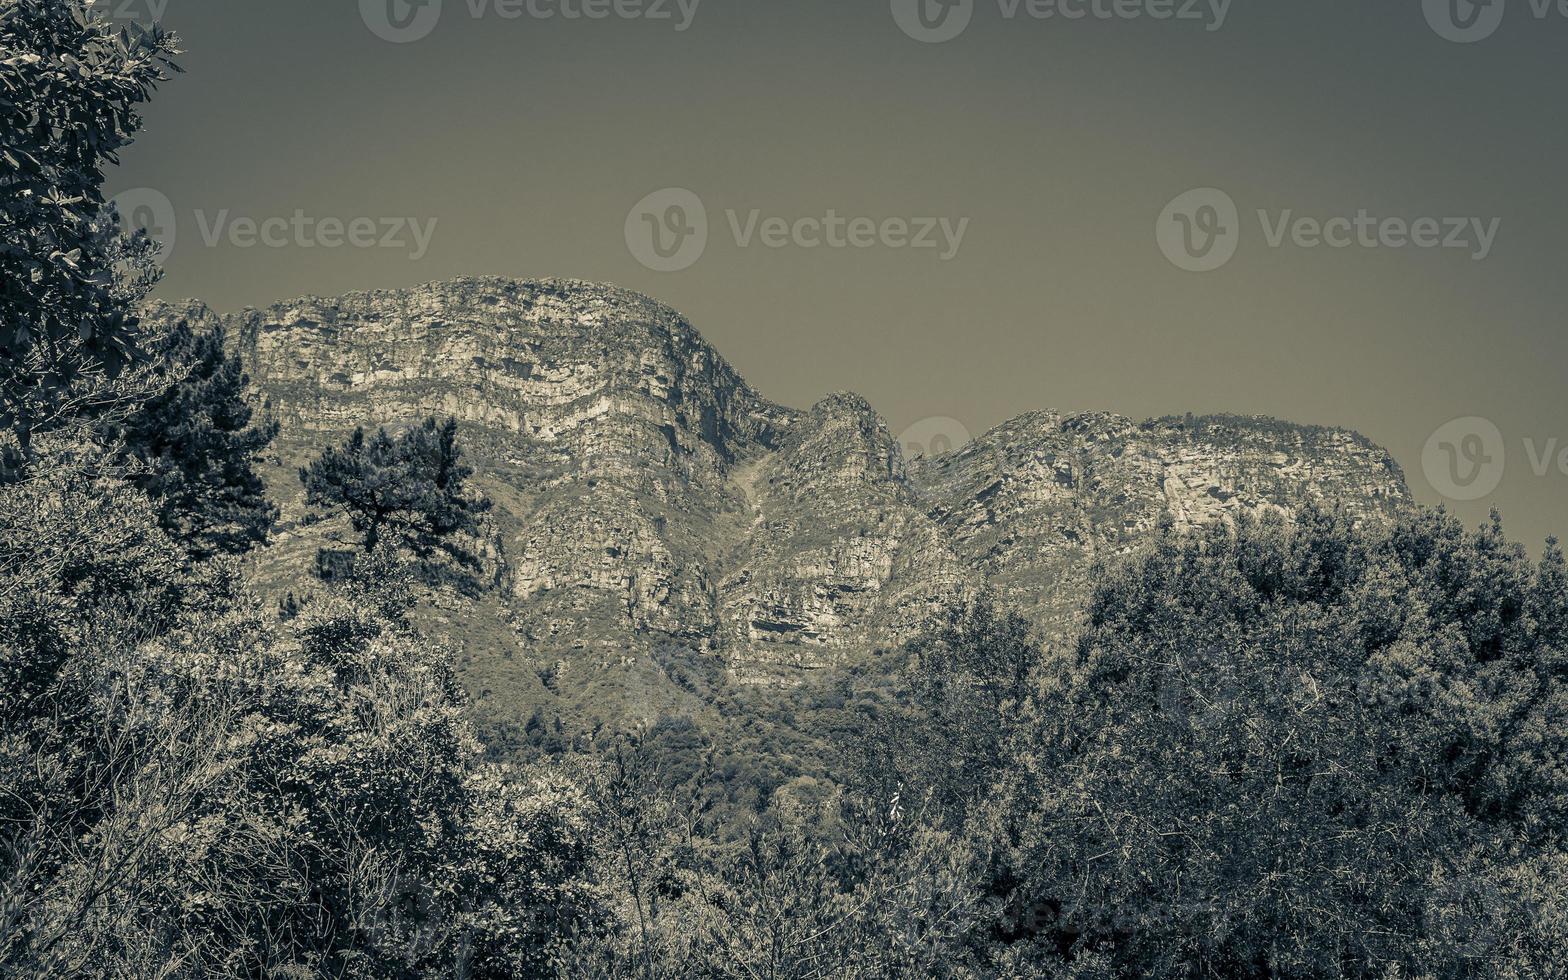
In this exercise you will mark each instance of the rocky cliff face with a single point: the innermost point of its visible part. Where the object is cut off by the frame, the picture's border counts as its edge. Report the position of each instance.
(647, 499)
(1033, 504)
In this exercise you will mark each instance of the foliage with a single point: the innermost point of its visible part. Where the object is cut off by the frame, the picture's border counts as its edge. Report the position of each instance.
(82, 561)
(1305, 750)
(411, 487)
(70, 86)
(195, 445)
(193, 789)
(86, 576)
(526, 868)
(871, 893)
(1302, 749)
(970, 676)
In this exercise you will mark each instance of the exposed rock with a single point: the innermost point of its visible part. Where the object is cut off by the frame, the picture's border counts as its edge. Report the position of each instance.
(1033, 504)
(840, 556)
(647, 498)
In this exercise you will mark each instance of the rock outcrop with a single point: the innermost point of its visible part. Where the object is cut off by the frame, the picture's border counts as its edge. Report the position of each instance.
(648, 500)
(1033, 504)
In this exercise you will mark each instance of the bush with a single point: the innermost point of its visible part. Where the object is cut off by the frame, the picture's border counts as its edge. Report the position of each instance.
(194, 789)
(1306, 750)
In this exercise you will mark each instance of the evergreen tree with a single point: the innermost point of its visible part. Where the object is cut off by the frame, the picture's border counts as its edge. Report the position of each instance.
(411, 487)
(197, 446)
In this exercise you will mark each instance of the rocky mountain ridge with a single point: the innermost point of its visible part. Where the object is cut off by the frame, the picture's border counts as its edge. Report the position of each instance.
(648, 499)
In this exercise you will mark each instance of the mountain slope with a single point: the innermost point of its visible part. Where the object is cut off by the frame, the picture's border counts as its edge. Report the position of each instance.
(664, 536)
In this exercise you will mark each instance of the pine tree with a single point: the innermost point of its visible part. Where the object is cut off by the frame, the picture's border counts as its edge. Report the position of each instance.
(412, 487)
(198, 445)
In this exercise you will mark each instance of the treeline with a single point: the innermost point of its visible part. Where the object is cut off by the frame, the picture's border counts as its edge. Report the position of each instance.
(1294, 748)
(1299, 750)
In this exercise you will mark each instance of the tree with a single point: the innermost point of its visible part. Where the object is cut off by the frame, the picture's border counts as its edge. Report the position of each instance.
(86, 577)
(871, 890)
(1305, 749)
(525, 873)
(412, 487)
(189, 788)
(70, 85)
(969, 678)
(196, 447)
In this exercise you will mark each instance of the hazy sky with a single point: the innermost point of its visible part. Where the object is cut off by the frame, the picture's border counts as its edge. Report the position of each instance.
(528, 140)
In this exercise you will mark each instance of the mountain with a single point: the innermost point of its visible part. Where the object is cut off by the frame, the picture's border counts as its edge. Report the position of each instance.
(665, 538)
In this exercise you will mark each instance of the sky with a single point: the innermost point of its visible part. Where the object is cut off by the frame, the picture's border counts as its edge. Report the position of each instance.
(1340, 212)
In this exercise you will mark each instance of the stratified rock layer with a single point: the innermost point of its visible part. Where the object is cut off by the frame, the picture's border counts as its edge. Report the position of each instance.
(648, 499)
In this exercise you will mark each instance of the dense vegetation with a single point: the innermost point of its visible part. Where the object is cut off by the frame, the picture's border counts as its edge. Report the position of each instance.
(1305, 750)
(1284, 748)
(70, 88)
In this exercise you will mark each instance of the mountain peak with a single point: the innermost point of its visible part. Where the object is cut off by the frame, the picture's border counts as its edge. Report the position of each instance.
(843, 403)
(647, 497)
(843, 442)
